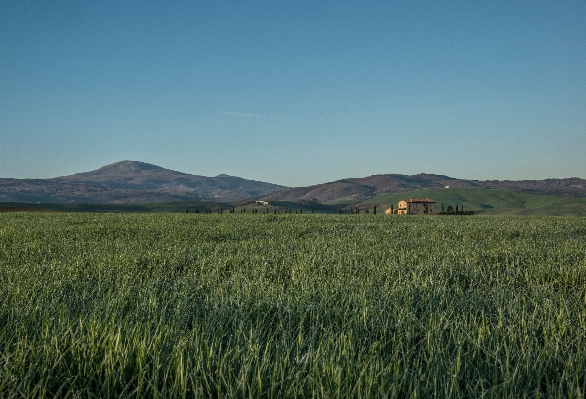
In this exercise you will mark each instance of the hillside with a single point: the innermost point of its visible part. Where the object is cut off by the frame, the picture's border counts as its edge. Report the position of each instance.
(360, 189)
(133, 182)
(133, 175)
(491, 201)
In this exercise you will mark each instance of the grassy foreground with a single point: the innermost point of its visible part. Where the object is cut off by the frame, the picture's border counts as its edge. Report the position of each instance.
(160, 305)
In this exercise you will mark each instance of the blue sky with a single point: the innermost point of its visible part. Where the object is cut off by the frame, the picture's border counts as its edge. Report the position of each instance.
(295, 92)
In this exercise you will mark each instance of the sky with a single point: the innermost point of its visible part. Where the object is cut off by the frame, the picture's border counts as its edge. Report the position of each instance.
(295, 92)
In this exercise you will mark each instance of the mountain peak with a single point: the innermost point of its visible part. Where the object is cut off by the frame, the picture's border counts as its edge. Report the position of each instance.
(137, 178)
(129, 166)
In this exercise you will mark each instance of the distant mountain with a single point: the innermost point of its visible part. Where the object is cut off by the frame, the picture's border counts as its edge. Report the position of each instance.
(360, 189)
(133, 182)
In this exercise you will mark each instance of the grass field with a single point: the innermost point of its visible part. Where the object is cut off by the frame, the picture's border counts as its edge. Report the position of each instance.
(176, 305)
(166, 207)
(493, 201)
(177, 206)
(489, 202)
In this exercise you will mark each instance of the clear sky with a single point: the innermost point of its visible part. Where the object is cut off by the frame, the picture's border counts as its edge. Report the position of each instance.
(295, 92)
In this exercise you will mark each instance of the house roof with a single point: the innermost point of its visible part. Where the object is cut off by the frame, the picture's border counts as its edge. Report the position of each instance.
(421, 200)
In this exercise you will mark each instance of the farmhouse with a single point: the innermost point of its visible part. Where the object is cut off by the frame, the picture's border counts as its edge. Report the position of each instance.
(416, 206)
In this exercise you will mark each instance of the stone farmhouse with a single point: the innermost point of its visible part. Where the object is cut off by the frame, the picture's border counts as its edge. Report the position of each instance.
(415, 206)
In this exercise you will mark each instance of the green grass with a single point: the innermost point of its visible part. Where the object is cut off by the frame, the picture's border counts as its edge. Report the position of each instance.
(284, 206)
(489, 202)
(175, 305)
(176, 206)
(493, 201)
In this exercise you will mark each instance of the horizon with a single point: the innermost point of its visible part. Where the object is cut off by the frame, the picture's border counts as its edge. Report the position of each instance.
(324, 182)
(295, 93)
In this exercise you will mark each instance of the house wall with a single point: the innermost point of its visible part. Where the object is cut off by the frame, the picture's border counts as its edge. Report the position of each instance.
(415, 208)
(421, 208)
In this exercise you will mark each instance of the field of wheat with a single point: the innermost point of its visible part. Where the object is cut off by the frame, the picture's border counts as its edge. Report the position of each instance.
(278, 306)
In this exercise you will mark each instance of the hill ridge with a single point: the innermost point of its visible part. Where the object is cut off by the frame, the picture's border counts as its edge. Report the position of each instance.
(363, 188)
(130, 181)
(490, 201)
(133, 182)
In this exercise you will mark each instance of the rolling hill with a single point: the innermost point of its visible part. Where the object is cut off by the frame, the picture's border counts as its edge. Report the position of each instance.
(488, 202)
(355, 190)
(133, 182)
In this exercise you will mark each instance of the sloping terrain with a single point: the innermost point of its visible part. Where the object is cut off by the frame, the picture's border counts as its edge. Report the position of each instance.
(360, 189)
(133, 175)
(133, 182)
(491, 201)
(41, 190)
